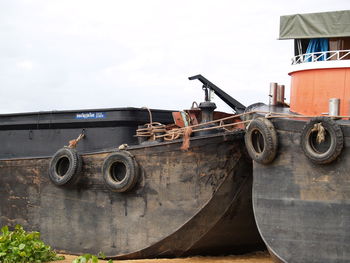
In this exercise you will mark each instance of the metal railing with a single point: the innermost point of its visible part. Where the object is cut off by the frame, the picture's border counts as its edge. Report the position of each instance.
(321, 56)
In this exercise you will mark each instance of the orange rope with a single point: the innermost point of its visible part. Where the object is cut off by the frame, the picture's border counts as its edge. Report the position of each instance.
(73, 143)
(186, 139)
(176, 133)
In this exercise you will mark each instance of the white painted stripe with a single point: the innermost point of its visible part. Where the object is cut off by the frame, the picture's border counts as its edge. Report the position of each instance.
(320, 65)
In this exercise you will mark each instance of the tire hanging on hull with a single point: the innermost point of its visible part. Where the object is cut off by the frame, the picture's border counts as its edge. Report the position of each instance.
(65, 167)
(322, 140)
(261, 140)
(120, 171)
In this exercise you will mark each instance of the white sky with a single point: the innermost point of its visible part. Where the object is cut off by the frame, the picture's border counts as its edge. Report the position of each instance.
(72, 54)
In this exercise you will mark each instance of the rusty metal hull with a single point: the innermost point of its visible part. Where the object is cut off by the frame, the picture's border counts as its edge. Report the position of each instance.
(302, 209)
(193, 202)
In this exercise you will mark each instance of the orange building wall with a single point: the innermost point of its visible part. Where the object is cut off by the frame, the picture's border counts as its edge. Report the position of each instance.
(312, 89)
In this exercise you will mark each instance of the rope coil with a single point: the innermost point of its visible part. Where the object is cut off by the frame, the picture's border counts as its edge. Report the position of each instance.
(155, 130)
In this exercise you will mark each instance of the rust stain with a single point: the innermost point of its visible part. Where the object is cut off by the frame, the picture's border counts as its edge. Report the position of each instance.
(324, 178)
(318, 183)
(12, 197)
(36, 177)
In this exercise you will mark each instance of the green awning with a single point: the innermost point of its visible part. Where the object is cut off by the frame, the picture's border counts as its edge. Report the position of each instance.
(315, 25)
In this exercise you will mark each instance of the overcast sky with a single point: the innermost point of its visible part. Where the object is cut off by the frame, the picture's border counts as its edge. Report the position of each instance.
(60, 55)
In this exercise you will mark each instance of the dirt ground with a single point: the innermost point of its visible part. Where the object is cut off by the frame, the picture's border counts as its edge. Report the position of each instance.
(259, 257)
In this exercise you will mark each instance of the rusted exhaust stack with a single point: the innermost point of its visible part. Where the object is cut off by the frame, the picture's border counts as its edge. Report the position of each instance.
(276, 94)
(280, 94)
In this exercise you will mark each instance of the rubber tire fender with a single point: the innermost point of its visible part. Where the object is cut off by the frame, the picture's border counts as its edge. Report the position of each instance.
(261, 140)
(65, 167)
(120, 163)
(336, 136)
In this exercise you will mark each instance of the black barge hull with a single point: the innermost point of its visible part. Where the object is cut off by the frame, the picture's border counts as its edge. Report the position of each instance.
(41, 134)
(302, 209)
(184, 203)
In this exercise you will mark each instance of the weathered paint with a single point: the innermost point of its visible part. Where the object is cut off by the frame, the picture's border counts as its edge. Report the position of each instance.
(302, 209)
(198, 201)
